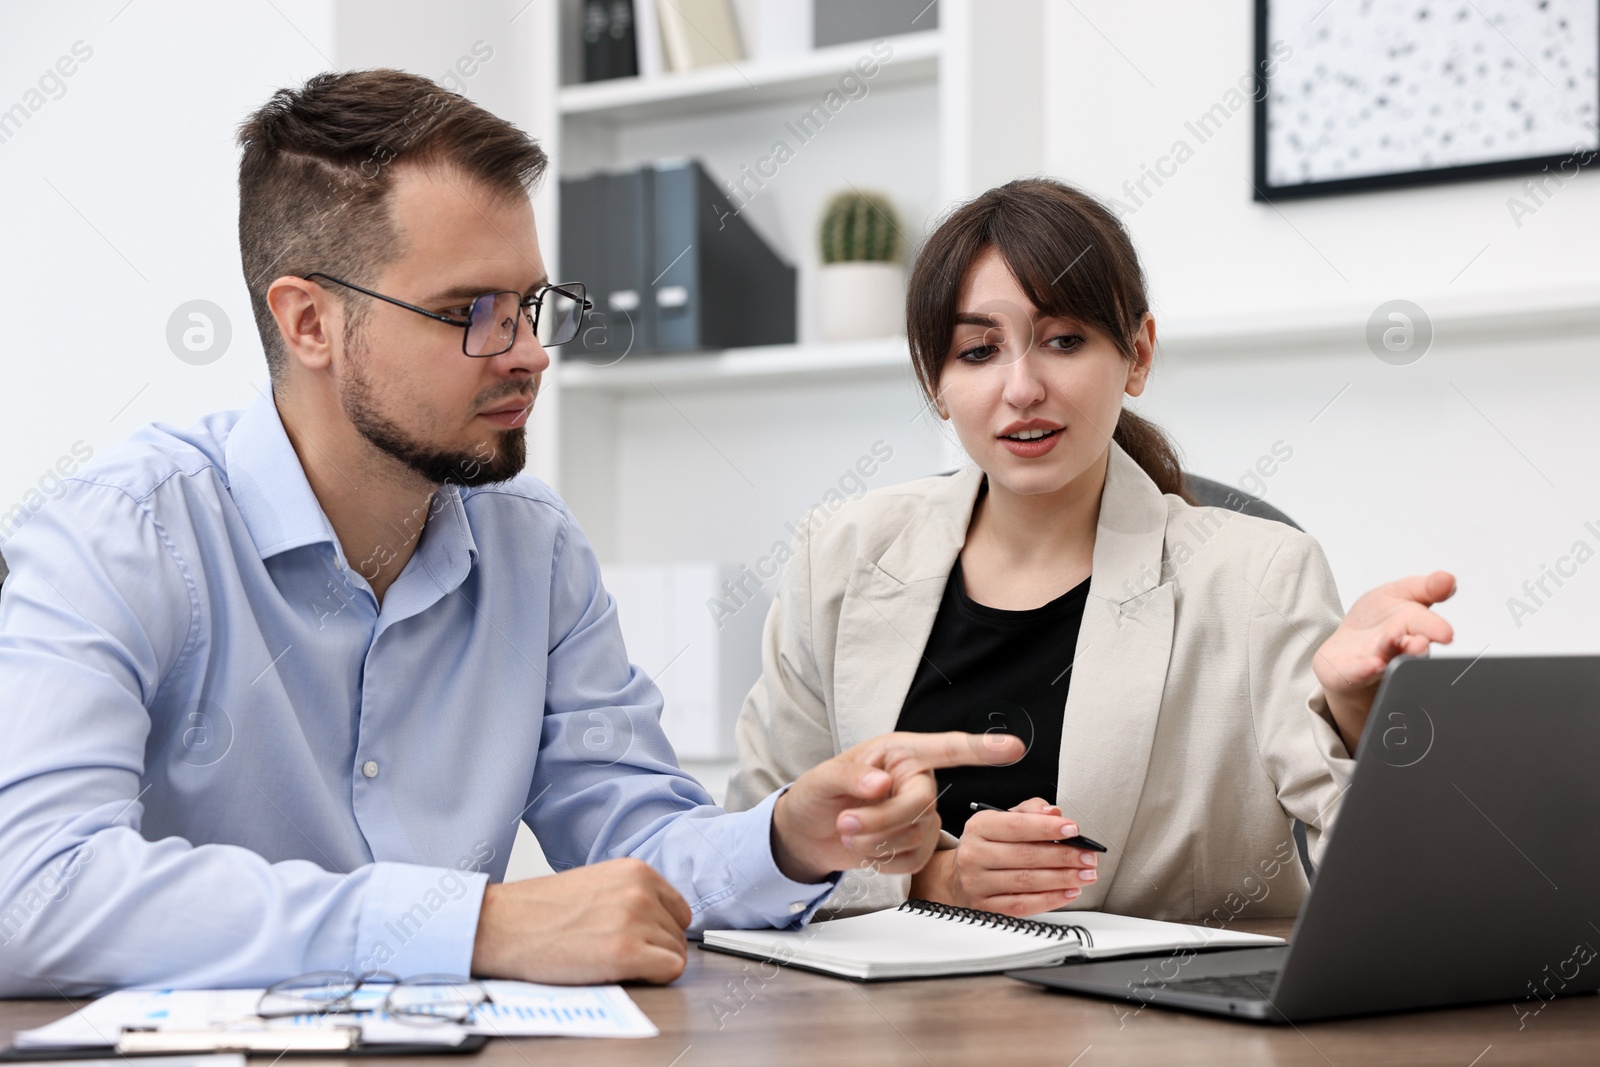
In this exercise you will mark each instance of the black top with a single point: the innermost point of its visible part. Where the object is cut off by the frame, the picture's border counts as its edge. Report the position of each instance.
(986, 669)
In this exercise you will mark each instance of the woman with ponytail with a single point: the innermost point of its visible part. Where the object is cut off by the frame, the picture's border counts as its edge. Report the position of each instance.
(1184, 678)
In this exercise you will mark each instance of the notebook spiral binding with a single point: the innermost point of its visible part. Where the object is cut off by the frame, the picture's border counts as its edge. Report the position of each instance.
(977, 917)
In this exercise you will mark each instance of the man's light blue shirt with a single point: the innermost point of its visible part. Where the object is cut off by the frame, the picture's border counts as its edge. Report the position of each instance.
(222, 764)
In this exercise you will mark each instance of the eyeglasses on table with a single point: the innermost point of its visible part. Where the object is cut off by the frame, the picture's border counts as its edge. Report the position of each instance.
(423, 999)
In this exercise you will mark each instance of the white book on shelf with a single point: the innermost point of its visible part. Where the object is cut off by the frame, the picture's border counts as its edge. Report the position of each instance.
(773, 29)
(698, 33)
(647, 39)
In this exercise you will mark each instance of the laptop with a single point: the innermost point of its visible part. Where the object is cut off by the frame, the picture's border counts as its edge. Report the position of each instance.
(1463, 867)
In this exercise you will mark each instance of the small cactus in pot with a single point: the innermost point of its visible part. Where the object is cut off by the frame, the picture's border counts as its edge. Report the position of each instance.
(861, 287)
(860, 227)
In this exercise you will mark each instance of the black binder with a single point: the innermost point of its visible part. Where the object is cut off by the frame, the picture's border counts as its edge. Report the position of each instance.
(716, 282)
(583, 259)
(630, 314)
(609, 39)
(669, 265)
(595, 31)
(622, 38)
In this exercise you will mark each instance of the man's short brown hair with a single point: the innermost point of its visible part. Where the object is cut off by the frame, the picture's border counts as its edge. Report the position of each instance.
(318, 167)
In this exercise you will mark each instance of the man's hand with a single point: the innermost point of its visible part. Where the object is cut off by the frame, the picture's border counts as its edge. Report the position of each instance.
(610, 922)
(1389, 621)
(875, 804)
(1007, 862)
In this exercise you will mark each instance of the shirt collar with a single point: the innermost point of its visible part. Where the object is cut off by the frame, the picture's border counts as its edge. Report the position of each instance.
(448, 547)
(269, 486)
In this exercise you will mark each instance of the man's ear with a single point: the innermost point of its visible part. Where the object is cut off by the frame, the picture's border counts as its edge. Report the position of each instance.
(1144, 354)
(308, 320)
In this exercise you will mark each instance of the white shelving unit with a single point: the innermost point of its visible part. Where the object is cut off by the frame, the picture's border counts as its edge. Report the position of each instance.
(763, 366)
(621, 100)
(706, 457)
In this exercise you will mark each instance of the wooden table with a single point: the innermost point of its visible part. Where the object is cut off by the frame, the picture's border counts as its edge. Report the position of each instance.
(726, 1010)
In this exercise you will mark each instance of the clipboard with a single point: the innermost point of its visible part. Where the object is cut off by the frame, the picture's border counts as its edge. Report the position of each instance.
(353, 1046)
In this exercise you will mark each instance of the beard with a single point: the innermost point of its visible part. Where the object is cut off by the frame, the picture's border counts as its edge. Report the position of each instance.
(481, 465)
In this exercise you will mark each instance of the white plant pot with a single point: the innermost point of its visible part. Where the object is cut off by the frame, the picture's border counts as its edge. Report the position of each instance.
(861, 300)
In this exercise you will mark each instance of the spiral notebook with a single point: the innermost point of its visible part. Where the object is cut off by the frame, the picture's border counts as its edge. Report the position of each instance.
(924, 939)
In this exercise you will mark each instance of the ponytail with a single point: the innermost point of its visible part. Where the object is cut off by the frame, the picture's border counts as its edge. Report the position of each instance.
(1147, 446)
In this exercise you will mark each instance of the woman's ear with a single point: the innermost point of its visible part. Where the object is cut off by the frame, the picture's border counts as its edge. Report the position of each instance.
(1144, 354)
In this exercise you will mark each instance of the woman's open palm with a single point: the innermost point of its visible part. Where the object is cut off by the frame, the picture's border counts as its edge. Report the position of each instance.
(1393, 619)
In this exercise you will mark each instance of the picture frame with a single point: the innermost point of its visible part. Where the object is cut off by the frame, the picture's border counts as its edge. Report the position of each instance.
(1437, 103)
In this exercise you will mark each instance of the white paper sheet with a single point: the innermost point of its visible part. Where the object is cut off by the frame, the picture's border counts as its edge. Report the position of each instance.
(518, 1009)
(211, 1059)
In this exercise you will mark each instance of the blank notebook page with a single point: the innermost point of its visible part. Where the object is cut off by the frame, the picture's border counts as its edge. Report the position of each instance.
(900, 943)
(1128, 935)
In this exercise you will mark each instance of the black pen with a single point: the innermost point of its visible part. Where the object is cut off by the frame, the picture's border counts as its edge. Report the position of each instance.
(1076, 842)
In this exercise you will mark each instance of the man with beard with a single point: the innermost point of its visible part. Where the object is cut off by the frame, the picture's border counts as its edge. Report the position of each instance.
(279, 687)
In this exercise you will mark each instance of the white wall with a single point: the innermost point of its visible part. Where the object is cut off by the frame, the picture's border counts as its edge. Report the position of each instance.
(121, 205)
(1479, 457)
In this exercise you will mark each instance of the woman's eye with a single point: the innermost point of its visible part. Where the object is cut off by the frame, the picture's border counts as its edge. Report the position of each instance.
(463, 312)
(1073, 342)
(976, 354)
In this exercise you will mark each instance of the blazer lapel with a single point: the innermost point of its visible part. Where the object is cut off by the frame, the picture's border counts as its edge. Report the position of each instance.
(1119, 670)
(889, 607)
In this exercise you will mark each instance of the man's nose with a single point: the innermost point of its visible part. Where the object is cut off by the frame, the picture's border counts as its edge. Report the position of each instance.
(526, 353)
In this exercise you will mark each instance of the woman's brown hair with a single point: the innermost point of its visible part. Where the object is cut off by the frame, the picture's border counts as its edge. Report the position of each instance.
(1071, 256)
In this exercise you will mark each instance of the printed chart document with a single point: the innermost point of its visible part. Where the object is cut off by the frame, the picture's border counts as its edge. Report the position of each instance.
(155, 1017)
(524, 1009)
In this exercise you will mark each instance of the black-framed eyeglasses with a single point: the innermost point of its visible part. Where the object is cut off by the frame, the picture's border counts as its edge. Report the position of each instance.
(489, 320)
(423, 998)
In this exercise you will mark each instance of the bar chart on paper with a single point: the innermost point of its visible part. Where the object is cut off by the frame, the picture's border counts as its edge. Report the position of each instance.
(516, 1009)
(525, 1009)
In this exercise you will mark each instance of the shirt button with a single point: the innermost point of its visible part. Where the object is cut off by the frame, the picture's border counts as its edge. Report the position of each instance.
(797, 907)
(370, 768)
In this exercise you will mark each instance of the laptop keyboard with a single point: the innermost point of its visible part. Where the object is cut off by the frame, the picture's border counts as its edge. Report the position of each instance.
(1247, 986)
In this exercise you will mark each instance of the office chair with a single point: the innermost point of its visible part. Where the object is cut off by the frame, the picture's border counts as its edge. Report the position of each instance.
(1217, 495)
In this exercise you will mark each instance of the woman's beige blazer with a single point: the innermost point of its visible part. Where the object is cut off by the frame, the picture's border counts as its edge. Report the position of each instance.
(1194, 727)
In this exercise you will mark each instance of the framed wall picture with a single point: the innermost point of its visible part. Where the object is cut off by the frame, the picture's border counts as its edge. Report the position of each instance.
(1370, 94)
